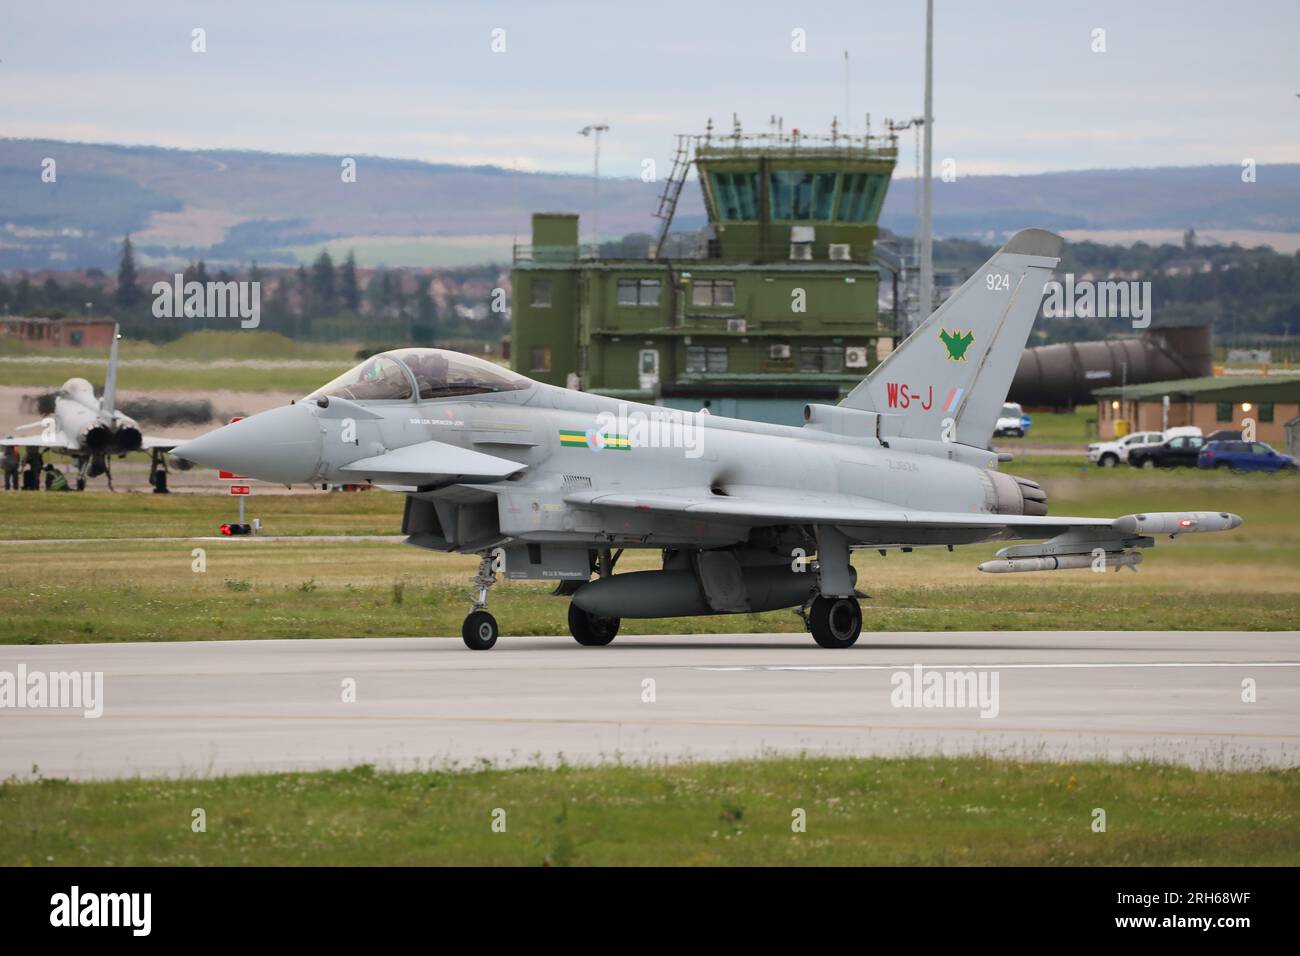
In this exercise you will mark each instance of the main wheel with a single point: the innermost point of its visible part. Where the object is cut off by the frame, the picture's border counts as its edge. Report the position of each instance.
(1148, 462)
(1109, 461)
(1218, 465)
(836, 622)
(589, 630)
(479, 631)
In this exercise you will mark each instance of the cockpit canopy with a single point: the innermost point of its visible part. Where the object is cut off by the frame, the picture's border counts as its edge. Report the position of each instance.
(79, 391)
(429, 373)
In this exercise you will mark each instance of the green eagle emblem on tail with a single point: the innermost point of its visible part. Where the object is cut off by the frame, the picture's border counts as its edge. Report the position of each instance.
(956, 343)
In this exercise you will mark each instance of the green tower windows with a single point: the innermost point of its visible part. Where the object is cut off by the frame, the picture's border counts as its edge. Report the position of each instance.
(714, 292)
(801, 197)
(736, 195)
(861, 197)
(638, 291)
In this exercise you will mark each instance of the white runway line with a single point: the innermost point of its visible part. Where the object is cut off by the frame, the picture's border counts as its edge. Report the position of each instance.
(992, 667)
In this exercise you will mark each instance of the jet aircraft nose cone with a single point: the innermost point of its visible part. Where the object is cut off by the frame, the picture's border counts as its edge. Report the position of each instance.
(281, 445)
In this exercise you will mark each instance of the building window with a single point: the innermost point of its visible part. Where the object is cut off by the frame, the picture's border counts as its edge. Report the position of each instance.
(540, 293)
(1223, 411)
(799, 197)
(714, 292)
(1265, 411)
(819, 358)
(539, 358)
(700, 358)
(736, 196)
(638, 291)
(860, 197)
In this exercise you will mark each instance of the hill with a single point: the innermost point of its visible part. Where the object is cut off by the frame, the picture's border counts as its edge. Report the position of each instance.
(230, 207)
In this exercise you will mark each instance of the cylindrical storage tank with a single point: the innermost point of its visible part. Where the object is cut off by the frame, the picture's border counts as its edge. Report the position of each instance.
(1065, 374)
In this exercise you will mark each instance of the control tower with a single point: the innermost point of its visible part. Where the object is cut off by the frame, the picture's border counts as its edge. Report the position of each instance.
(774, 304)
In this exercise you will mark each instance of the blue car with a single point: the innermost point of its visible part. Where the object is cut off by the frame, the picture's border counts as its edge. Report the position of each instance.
(1243, 456)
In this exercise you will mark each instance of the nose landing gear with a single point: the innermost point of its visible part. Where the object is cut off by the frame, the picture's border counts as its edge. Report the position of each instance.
(480, 631)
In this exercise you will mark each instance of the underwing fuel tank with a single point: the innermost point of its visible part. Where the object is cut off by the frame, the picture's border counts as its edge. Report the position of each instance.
(678, 593)
(1063, 562)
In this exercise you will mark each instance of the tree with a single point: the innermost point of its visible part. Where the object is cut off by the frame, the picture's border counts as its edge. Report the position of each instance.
(324, 290)
(128, 291)
(349, 290)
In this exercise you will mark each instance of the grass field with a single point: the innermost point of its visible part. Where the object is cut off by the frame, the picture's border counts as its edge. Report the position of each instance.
(116, 590)
(919, 811)
(1060, 428)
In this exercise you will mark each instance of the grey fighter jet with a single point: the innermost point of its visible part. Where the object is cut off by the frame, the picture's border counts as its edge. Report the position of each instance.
(545, 483)
(92, 430)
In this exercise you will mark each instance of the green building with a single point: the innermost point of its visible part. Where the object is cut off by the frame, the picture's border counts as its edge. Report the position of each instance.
(777, 307)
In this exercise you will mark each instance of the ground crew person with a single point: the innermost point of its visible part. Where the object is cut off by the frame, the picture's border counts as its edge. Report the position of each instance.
(11, 463)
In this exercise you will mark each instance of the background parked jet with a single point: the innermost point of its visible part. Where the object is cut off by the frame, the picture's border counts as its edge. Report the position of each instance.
(547, 483)
(92, 430)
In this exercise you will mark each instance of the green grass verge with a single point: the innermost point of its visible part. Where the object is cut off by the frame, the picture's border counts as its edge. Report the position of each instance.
(105, 514)
(916, 811)
(1076, 427)
(114, 590)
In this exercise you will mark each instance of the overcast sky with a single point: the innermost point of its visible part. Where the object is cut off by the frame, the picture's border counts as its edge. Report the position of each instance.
(1017, 86)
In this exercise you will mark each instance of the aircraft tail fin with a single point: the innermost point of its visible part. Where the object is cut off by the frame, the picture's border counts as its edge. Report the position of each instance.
(108, 404)
(959, 363)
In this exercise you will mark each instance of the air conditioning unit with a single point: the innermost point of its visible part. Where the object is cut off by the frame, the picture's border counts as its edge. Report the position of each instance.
(840, 251)
(735, 325)
(779, 352)
(801, 251)
(855, 356)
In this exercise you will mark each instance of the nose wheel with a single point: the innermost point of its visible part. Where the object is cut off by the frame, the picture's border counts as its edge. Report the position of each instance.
(480, 631)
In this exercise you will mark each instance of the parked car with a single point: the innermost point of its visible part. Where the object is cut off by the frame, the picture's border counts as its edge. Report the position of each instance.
(1224, 435)
(1243, 456)
(1181, 450)
(1012, 421)
(1108, 454)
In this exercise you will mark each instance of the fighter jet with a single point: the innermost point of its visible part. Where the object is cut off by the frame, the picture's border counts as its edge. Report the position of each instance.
(92, 430)
(546, 483)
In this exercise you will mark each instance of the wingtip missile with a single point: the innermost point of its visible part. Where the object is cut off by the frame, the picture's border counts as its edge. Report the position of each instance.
(1177, 522)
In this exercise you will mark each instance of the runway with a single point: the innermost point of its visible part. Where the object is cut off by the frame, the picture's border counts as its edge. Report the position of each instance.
(200, 709)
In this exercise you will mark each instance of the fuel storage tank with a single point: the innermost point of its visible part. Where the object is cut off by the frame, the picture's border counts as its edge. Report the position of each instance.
(1064, 375)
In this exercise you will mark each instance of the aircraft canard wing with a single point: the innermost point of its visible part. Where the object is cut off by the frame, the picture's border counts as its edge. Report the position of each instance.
(758, 512)
(431, 462)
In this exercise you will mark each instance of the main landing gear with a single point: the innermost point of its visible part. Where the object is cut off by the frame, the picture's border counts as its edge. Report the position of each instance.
(480, 629)
(833, 621)
(589, 630)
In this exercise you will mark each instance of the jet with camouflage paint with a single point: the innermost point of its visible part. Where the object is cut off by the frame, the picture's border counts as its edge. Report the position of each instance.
(547, 483)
